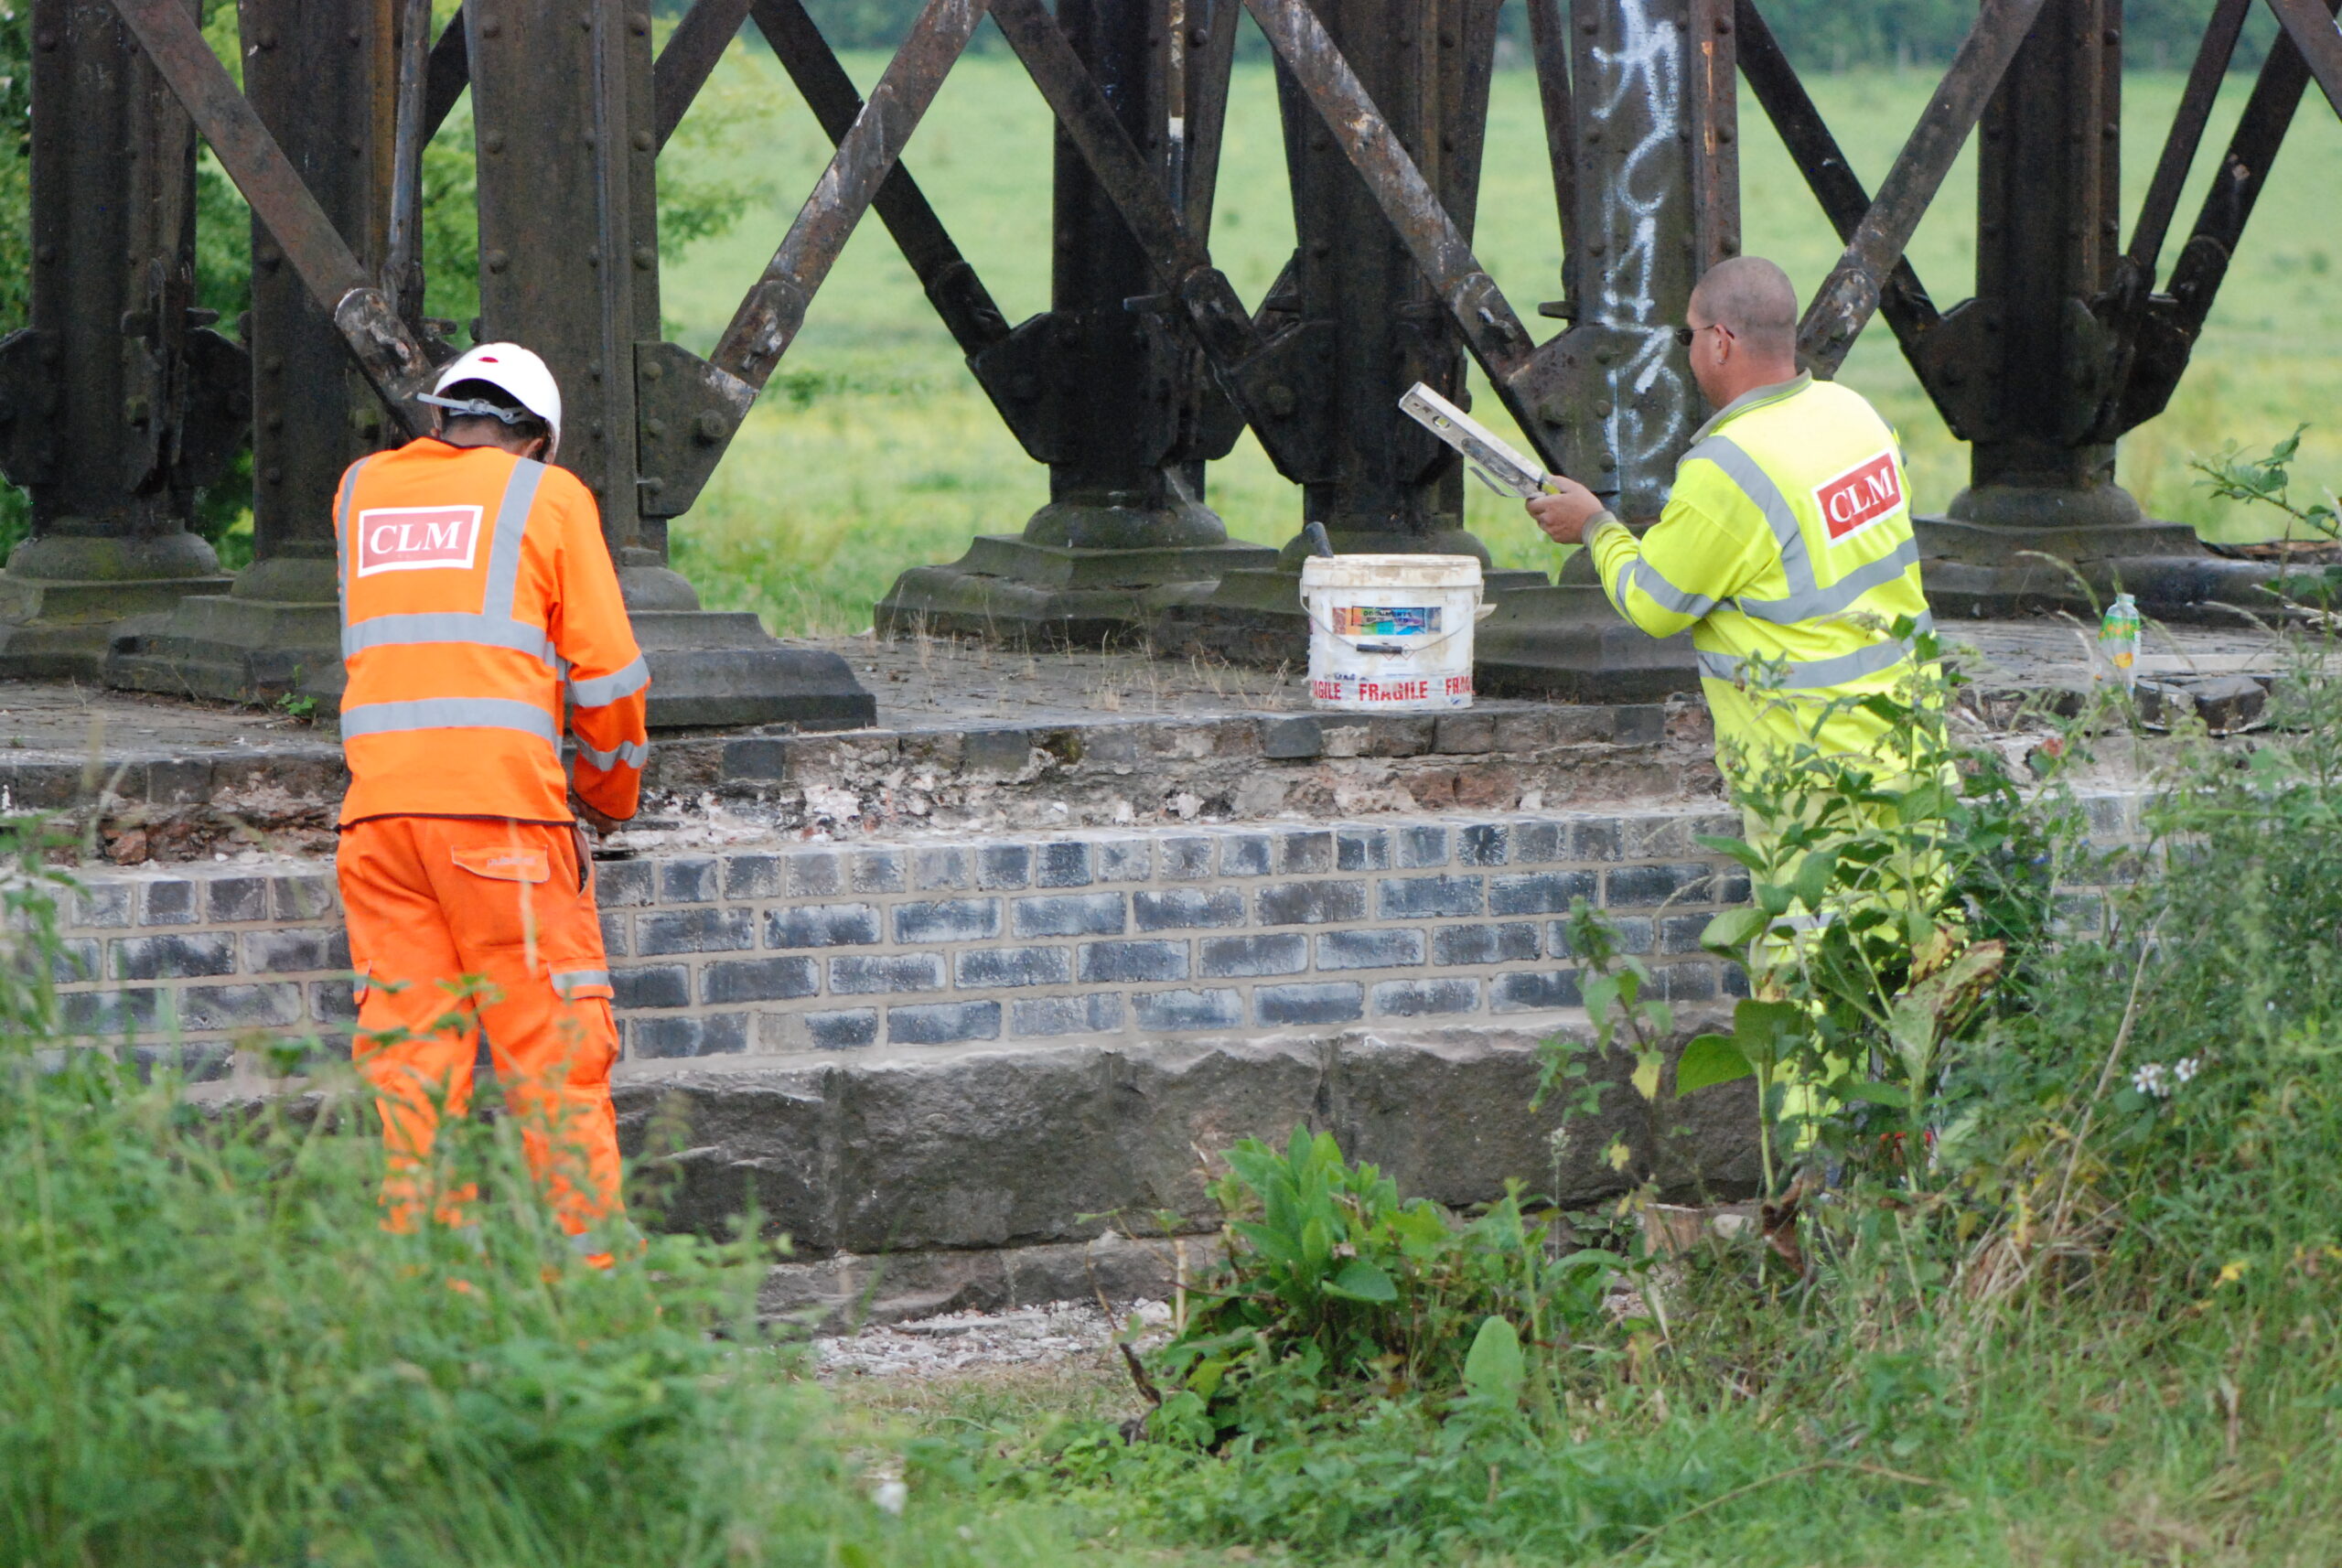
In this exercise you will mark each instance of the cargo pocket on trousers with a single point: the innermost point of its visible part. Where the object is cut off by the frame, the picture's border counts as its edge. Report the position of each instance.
(581, 984)
(503, 863)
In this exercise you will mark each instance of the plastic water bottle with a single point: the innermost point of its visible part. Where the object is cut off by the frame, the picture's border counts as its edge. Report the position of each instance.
(2118, 640)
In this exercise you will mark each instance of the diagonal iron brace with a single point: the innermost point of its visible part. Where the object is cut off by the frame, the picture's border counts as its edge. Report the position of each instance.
(2314, 33)
(968, 311)
(1850, 295)
(1828, 174)
(393, 359)
(1222, 324)
(693, 50)
(1477, 308)
(771, 315)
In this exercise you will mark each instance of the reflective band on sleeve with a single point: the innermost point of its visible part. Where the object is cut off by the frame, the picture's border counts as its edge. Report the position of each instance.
(603, 690)
(512, 527)
(446, 626)
(1815, 603)
(567, 983)
(1818, 674)
(1766, 497)
(450, 713)
(632, 754)
(1666, 593)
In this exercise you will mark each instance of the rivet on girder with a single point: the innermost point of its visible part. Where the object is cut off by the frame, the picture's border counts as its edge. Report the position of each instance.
(498, 260)
(587, 138)
(586, 20)
(646, 257)
(639, 25)
(493, 140)
(642, 141)
(46, 41)
(275, 476)
(490, 28)
(43, 253)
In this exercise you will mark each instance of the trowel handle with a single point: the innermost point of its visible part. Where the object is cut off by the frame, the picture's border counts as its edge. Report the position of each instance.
(1318, 543)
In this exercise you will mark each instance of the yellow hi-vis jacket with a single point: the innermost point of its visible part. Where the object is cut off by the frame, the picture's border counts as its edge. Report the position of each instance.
(1787, 540)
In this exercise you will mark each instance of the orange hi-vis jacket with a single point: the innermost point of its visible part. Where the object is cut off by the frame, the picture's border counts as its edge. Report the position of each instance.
(477, 594)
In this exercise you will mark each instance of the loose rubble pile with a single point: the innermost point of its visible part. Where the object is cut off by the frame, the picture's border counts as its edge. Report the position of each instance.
(965, 1341)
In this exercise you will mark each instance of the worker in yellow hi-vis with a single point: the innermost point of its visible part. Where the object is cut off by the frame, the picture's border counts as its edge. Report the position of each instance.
(1785, 544)
(1787, 538)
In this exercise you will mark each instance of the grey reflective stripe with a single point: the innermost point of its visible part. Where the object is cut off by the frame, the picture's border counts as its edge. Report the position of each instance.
(1814, 674)
(567, 983)
(445, 626)
(1815, 603)
(341, 540)
(449, 713)
(1618, 584)
(1766, 497)
(629, 752)
(512, 527)
(1666, 594)
(603, 690)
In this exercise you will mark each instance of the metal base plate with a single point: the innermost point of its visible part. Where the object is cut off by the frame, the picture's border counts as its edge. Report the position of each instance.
(1011, 590)
(58, 629)
(720, 668)
(1977, 570)
(230, 650)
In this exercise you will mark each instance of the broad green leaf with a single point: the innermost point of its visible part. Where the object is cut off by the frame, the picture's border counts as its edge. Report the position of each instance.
(1710, 1060)
(1494, 1368)
(1732, 931)
(1759, 1029)
(1361, 1281)
(1813, 877)
(1751, 858)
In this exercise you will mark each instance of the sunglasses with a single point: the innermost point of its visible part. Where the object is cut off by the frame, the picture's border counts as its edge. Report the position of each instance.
(1684, 335)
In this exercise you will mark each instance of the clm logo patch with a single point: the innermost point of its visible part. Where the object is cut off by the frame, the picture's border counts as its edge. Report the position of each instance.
(416, 539)
(1860, 497)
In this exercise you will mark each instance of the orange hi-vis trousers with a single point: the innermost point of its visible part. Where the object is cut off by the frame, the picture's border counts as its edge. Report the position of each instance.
(458, 922)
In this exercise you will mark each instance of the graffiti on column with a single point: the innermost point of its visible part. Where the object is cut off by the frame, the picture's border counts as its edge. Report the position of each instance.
(1641, 79)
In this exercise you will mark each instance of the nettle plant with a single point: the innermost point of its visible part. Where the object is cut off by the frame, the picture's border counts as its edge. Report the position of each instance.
(1887, 890)
(1333, 1284)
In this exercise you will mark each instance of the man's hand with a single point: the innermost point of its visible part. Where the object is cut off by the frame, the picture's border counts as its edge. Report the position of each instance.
(600, 821)
(1565, 514)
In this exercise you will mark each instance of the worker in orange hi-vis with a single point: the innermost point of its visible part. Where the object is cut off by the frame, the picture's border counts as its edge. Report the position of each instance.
(477, 597)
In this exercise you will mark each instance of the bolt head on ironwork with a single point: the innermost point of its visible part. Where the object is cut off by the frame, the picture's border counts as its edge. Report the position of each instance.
(498, 260)
(710, 427)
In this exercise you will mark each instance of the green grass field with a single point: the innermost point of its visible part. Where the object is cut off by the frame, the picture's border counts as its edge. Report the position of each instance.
(872, 449)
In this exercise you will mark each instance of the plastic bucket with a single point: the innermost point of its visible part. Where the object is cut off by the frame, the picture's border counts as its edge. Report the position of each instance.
(1391, 634)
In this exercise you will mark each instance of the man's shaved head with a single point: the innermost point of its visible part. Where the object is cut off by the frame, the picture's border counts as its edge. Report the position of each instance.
(1751, 299)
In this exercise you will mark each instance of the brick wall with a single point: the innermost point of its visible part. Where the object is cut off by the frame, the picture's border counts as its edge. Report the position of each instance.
(1094, 934)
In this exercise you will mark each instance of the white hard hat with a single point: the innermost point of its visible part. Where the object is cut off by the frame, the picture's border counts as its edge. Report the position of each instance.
(513, 368)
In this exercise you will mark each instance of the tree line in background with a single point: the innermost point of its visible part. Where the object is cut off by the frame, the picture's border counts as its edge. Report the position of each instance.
(1820, 35)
